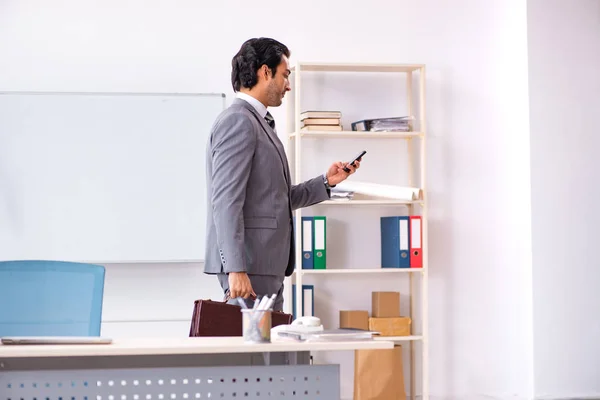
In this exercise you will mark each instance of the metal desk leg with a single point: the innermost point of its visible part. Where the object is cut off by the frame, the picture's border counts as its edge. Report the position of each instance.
(267, 358)
(293, 358)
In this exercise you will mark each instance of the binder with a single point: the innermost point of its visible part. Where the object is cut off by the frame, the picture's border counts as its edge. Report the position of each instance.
(307, 243)
(416, 242)
(308, 308)
(308, 301)
(395, 242)
(319, 243)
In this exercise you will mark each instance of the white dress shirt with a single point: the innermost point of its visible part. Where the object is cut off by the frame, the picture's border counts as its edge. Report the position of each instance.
(258, 106)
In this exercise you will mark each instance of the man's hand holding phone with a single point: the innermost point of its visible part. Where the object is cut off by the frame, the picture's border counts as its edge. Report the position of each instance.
(354, 161)
(339, 171)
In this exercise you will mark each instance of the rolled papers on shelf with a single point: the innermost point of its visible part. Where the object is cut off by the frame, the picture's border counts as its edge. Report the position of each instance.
(385, 191)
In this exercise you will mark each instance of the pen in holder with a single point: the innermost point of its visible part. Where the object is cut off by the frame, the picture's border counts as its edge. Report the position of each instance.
(256, 325)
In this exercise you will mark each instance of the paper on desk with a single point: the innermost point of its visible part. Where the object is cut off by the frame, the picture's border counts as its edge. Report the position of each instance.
(343, 334)
(387, 191)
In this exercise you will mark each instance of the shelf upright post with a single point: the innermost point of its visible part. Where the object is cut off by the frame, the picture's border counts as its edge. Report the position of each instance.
(411, 211)
(298, 176)
(424, 227)
(409, 141)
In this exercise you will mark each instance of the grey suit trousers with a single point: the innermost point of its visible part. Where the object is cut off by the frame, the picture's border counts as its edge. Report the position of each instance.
(263, 285)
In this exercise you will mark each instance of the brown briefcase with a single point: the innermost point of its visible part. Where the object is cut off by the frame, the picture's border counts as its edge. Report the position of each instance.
(216, 318)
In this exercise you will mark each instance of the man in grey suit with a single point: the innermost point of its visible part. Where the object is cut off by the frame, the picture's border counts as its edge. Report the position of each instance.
(250, 241)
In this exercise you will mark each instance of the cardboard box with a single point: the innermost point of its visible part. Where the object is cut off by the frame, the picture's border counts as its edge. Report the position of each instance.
(357, 319)
(398, 326)
(385, 304)
(379, 374)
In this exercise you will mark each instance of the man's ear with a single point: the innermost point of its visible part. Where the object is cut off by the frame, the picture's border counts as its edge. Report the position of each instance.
(266, 71)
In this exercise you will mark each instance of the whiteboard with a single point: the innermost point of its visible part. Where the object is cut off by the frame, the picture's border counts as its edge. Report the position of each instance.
(104, 177)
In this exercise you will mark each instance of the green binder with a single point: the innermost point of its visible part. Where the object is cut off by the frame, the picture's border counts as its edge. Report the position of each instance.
(320, 242)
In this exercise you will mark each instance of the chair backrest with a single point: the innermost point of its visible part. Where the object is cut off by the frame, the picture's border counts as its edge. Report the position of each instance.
(50, 298)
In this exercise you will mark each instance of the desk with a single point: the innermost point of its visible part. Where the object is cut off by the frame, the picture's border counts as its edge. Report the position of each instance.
(172, 369)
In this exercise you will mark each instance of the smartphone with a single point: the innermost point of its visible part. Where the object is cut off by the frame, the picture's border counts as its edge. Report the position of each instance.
(357, 158)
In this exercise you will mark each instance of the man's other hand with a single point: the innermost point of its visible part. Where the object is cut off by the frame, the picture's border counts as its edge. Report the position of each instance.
(240, 286)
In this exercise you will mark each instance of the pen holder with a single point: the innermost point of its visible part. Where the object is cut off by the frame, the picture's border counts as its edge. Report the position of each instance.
(256, 326)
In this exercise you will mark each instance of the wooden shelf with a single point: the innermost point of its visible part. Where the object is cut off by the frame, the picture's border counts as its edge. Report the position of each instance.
(357, 134)
(412, 79)
(337, 271)
(397, 339)
(367, 202)
(343, 67)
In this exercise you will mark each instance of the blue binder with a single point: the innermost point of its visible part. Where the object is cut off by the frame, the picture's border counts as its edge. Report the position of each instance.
(395, 240)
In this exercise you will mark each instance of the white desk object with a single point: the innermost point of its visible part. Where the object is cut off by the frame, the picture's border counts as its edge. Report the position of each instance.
(173, 368)
(38, 340)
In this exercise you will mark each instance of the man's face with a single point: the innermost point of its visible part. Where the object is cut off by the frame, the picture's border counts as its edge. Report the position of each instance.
(279, 84)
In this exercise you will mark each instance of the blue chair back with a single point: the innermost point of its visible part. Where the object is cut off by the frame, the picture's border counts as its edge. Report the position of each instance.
(50, 298)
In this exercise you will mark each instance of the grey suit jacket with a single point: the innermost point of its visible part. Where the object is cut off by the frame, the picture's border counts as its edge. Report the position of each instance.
(250, 196)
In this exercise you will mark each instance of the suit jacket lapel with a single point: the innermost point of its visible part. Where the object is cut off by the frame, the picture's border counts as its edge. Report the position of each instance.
(271, 134)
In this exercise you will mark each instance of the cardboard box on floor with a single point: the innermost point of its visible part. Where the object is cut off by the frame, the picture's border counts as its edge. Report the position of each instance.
(379, 374)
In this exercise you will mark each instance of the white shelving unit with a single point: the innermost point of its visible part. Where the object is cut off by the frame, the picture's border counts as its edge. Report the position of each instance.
(410, 71)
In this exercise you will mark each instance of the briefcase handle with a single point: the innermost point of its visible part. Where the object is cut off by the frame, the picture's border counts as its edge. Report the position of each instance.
(226, 298)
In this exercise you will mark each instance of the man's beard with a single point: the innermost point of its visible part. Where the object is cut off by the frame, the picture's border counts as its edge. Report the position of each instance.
(274, 95)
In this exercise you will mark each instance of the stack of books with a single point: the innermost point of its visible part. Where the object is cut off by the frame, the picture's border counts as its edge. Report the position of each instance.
(321, 121)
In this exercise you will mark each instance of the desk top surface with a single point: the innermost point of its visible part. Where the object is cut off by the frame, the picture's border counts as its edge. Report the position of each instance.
(187, 345)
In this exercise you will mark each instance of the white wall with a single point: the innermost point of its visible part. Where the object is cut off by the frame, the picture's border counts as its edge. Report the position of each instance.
(564, 65)
(476, 56)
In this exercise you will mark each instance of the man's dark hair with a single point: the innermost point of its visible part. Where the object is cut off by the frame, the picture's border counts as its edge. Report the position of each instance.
(253, 54)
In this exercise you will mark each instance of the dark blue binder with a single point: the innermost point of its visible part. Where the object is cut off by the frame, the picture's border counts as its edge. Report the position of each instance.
(395, 242)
